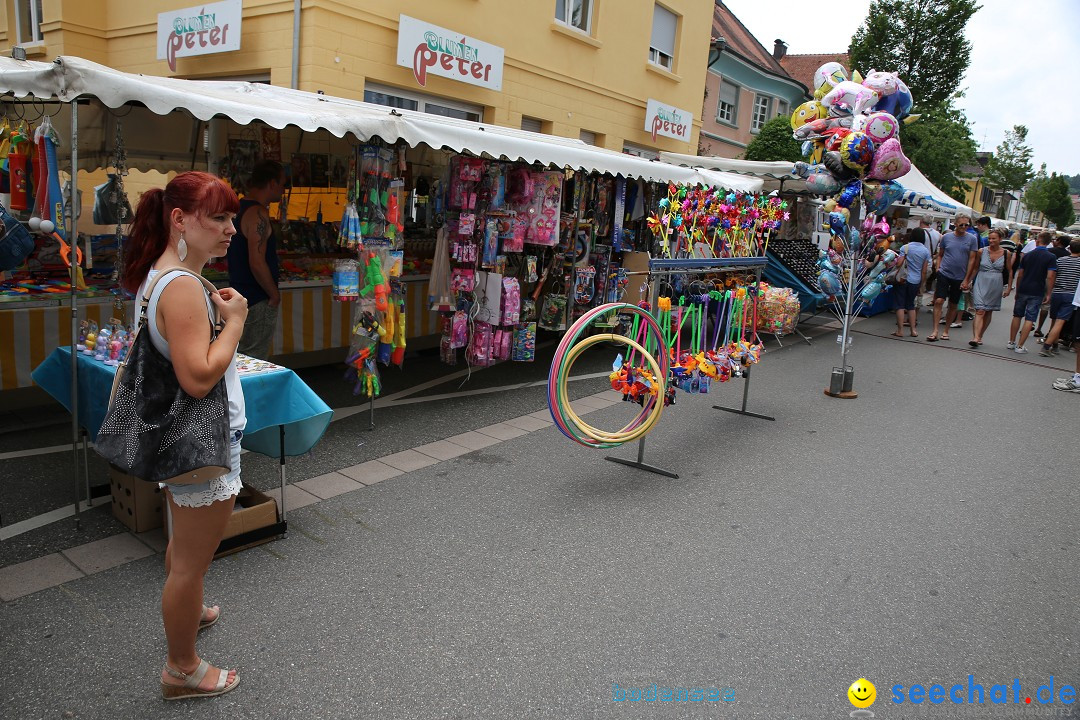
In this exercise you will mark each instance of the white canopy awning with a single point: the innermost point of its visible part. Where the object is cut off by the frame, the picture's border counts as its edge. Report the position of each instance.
(920, 194)
(71, 78)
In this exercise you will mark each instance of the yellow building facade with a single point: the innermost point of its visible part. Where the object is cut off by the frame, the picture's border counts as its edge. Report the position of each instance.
(588, 69)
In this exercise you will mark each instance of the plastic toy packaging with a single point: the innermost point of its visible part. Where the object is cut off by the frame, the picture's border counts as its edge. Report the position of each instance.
(553, 312)
(524, 343)
(447, 353)
(544, 213)
(501, 343)
(101, 344)
(466, 224)
(528, 310)
(530, 269)
(459, 330)
(491, 243)
(465, 252)
(479, 350)
(511, 301)
(372, 196)
(462, 280)
(471, 169)
(511, 241)
(346, 280)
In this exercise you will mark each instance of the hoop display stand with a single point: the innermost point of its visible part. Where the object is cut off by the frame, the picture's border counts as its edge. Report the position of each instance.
(665, 267)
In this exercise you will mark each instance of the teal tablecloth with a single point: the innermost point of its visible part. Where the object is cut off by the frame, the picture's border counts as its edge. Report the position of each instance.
(273, 399)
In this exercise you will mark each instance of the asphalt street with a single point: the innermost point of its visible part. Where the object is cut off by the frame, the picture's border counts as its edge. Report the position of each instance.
(922, 533)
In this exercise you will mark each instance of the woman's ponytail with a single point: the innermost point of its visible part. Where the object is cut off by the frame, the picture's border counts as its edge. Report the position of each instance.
(147, 238)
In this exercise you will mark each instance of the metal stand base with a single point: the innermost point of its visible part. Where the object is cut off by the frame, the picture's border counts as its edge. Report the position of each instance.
(643, 466)
(845, 395)
(745, 396)
(640, 464)
(744, 412)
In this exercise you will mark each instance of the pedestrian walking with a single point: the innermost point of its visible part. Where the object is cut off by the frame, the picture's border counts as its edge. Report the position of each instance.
(1072, 384)
(991, 284)
(1060, 248)
(183, 226)
(1034, 280)
(1066, 280)
(910, 274)
(955, 266)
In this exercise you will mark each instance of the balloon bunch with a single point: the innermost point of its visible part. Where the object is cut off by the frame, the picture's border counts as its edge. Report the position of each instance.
(712, 223)
(850, 136)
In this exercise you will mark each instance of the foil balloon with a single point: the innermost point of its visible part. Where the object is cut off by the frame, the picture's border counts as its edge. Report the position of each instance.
(828, 75)
(883, 83)
(873, 227)
(822, 183)
(835, 165)
(829, 282)
(807, 112)
(855, 240)
(898, 104)
(834, 137)
(817, 128)
(879, 196)
(849, 98)
(849, 194)
(830, 261)
(878, 126)
(857, 152)
(838, 224)
(889, 162)
(872, 290)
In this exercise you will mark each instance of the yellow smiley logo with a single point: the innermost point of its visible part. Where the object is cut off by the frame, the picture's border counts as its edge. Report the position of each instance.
(862, 693)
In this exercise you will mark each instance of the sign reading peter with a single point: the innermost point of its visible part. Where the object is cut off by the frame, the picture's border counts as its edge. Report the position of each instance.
(432, 50)
(200, 30)
(667, 120)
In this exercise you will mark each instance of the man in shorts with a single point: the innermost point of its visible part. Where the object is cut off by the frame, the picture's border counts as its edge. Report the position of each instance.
(1060, 248)
(1066, 280)
(1034, 280)
(955, 265)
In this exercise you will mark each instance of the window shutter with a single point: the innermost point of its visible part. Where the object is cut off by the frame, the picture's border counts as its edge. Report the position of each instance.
(663, 31)
(532, 124)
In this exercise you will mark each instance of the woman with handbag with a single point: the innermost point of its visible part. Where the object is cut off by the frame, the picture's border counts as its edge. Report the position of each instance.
(177, 230)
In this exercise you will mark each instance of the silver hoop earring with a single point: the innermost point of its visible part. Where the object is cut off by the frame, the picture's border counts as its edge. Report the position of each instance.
(181, 248)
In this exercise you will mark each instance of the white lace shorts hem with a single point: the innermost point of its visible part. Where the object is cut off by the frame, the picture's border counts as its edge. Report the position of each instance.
(215, 489)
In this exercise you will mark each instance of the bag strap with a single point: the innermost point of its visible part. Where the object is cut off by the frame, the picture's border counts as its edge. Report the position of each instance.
(208, 287)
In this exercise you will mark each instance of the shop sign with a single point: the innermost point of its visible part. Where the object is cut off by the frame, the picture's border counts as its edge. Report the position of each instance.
(668, 121)
(432, 50)
(200, 30)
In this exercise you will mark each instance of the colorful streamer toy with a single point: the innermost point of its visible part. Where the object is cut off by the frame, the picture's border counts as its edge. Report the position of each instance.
(712, 223)
(657, 364)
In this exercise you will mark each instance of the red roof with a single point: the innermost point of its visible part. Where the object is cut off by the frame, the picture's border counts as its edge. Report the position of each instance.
(802, 67)
(742, 42)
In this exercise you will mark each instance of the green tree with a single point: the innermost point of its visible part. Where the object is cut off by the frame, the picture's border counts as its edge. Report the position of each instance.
(939, 144)
(922, 40)
(1037, 192)
(1010, 168)
(774, 142)
(1059, 207)
(1074, 183)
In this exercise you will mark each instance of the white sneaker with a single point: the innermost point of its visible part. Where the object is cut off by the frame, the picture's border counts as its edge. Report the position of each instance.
(1011, 345)
(1021, 350)
(1072, 386)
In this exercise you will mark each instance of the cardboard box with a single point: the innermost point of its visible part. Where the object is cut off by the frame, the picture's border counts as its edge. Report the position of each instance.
(136, 503)
(253, 510)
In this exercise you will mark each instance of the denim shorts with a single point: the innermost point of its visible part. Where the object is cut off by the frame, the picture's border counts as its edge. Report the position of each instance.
(1061, 306)
(1027, 307)
(215, 489)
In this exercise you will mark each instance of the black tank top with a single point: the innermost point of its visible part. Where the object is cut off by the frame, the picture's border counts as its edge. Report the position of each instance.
(240, 275)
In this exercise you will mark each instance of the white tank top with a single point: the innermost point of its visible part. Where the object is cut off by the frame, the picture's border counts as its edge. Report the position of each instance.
(237, 410)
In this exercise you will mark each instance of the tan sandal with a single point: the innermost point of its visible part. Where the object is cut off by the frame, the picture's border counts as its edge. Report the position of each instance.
(191, 689)
(203, 622)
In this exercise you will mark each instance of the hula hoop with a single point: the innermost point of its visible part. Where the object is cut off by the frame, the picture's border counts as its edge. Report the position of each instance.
(568, 422)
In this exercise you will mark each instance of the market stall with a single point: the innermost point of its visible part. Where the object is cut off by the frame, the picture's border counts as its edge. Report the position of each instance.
(166, 124)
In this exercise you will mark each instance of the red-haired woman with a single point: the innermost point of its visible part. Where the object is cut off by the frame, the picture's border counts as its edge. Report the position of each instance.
(184, 225)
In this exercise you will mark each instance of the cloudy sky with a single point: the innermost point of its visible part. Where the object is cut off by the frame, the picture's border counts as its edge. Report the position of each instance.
(1023, 57)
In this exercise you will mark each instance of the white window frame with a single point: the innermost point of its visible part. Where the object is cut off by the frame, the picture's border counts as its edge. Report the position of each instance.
(658, 57)
(640, 151)
(35, 23)
(422, 100)
(734, 121)
(782, 107)
(755, 125)
(567, 18)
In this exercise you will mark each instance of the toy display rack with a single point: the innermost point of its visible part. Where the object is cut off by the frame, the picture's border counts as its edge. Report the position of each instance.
(666, 267)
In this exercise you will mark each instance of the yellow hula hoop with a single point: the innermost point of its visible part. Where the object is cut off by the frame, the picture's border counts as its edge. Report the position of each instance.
(602, 436)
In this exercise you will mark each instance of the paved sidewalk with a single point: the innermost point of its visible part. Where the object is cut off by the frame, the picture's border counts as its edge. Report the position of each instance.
(918, 534)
